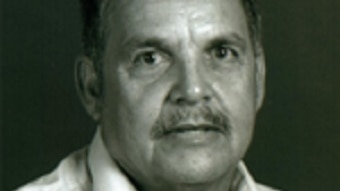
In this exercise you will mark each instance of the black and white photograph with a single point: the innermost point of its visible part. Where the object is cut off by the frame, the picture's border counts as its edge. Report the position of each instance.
(169, 95)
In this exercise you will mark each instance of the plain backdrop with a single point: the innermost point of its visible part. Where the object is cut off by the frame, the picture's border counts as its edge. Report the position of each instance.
(297, 137)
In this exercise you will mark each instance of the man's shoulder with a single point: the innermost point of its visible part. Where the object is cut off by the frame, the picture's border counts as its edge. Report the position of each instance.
(261, 187)
(70, 175)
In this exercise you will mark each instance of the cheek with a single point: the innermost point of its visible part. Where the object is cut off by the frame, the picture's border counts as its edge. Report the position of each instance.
(141, 103)
(134, 106)
(235, 91)
(236, 95)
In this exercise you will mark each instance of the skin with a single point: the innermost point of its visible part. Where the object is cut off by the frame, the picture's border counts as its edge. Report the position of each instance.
(163, 57)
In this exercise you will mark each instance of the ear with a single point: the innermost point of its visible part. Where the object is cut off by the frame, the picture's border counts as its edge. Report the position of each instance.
(87, 84)
(260, 70)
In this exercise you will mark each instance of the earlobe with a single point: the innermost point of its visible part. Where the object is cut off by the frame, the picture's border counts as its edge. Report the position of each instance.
(87, 84)
(260, 68)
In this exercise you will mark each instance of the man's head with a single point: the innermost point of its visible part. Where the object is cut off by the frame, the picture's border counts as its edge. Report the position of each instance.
(175, 86)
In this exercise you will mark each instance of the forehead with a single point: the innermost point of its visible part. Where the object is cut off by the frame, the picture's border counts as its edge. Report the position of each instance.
(163, 17)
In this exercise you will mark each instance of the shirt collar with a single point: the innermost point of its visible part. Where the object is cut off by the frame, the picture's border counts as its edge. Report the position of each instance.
(107, 176)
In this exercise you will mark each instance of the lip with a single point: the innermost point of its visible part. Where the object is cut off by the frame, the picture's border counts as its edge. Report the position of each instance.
(193, 135)
(186, 128)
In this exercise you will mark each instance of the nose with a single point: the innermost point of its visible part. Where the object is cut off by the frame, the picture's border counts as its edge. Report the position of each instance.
(191, 87)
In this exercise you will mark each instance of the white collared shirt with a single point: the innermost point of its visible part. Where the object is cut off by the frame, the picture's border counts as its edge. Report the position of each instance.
(92, 169)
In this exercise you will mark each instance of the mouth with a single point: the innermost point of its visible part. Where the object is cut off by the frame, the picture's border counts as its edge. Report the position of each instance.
(193, 134)
(187, 128)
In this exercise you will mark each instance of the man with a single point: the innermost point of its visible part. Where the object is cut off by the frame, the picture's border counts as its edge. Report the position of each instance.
(174, 87)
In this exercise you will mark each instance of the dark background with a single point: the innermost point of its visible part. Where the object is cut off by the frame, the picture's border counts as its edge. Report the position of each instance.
(297, 138)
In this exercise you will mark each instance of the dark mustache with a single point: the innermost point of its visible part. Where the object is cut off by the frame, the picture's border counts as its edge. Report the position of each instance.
(171, 116)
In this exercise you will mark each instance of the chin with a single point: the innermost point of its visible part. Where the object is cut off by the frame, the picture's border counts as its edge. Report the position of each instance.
(194, 168)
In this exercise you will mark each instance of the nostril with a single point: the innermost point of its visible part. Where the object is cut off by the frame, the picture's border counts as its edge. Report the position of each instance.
(206, 98)
(185, 101)
(180, 101)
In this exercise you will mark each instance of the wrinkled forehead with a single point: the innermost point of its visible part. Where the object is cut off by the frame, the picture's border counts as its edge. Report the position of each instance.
(121, 3)
(118, 13)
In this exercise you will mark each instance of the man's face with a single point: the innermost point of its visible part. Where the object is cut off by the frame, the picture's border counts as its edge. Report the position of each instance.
(180, 89)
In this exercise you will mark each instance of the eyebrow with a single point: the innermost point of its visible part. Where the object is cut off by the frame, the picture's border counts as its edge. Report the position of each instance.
(156, 42)
(230, 39)
(163, 44)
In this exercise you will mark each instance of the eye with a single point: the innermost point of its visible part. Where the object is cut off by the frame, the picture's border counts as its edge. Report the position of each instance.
(149, 62)
(223, 52)
(149, 58)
